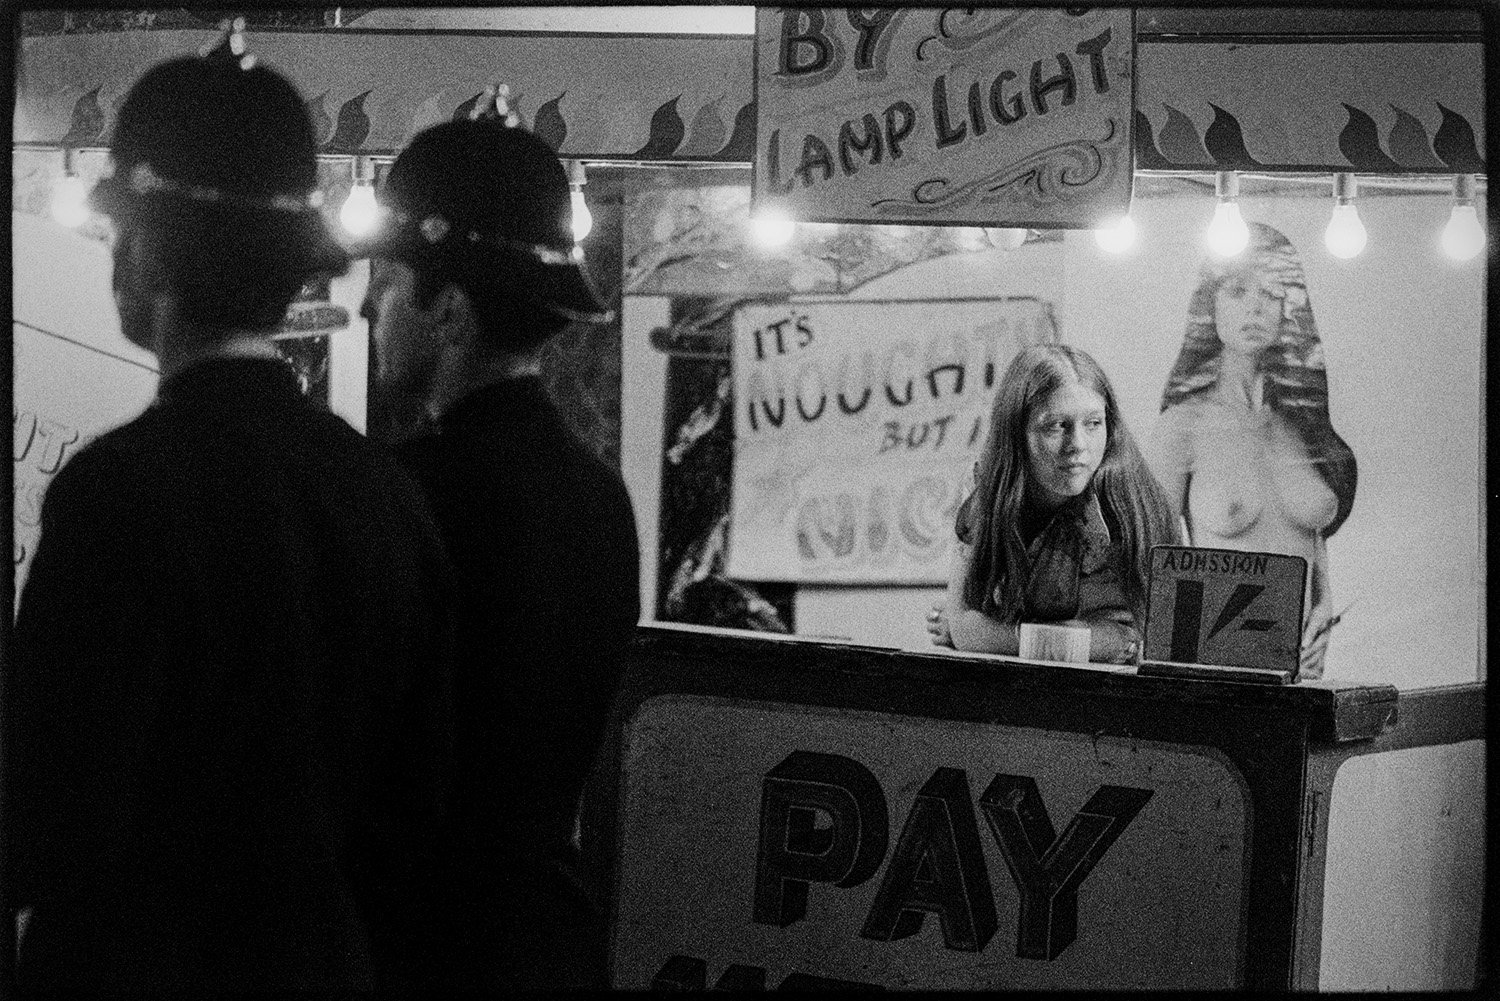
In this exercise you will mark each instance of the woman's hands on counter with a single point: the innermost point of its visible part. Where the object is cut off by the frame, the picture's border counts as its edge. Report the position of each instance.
(1110, 642)
(937, 625)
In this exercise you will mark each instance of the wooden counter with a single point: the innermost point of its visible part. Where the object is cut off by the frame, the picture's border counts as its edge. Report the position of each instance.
(775, 812)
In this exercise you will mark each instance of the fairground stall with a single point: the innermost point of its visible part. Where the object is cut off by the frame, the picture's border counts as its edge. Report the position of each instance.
(825, 233)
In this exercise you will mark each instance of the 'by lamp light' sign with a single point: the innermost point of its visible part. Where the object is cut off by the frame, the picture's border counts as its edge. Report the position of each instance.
(1004, 116)
(775, 846)
(856, 429)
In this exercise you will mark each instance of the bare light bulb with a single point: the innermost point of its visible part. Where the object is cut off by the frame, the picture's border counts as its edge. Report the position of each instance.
(1345, 236)
(1117, 235)
(772, 227)
(583, 219)
(1464, 235)
(1227, 233)
(359, 213)
(70, 201)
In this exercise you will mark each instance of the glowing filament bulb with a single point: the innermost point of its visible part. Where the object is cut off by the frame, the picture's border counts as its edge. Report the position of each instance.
(772, 227)
(1116, 236)
(1345, 236)
(583, 219)
(359, 213)
(1227, 234)
(70, 205)
(1464, 235)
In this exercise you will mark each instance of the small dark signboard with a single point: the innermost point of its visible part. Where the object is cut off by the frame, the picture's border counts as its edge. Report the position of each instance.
(1218, 613)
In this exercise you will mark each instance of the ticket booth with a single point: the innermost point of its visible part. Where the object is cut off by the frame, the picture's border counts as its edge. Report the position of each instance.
(825, 233)
(796, 813)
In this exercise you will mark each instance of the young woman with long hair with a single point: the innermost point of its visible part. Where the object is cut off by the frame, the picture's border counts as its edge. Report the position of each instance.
(1064, 512)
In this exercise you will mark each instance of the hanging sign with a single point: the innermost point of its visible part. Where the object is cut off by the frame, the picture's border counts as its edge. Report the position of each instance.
(856, 428)
(997, 117)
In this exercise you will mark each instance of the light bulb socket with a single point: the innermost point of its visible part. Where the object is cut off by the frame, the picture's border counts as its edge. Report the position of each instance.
(1463, 189)
(577, 178)
(70, 161)
(1227, 185)
(1344, 188)
(363, 168)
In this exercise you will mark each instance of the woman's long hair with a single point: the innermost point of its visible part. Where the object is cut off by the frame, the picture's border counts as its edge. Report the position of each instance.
(1133, 502)
(1296, 379)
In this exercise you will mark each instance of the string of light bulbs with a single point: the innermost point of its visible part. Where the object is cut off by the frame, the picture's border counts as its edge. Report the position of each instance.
(1462, 238)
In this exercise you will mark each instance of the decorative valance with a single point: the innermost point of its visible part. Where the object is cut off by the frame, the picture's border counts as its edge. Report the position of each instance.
(597, 96)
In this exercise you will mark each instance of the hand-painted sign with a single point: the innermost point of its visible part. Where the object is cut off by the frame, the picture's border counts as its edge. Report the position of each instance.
(1001, 116)
(1225, 608)
(852, 450)
(75, 374)
(774, 845)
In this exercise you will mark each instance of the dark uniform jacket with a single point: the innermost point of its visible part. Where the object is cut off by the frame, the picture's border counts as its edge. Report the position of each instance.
(544, 541)
(231, 702)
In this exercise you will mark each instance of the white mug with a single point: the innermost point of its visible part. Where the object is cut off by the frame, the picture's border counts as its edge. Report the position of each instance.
(1048, 641)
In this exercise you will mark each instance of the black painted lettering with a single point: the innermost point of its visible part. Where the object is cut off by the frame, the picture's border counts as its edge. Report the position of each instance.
(976, 110)
(1187, 620)
(900, 120)
(804, 332)
(947, 133)
(941, 424)
(891, 438)
(1063, 80)
(773, 157)
(957, 371)
(794, 852)
(937, 868)
(871, 25)
(1240, 600)
(55, 439)
(24, 429)
(1048, 870)
(807, 368)
(815, 157)
(868, 141)
(1006, 112)
(807, 48)
(757, 393)
(1094, 49)
(776, 330)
